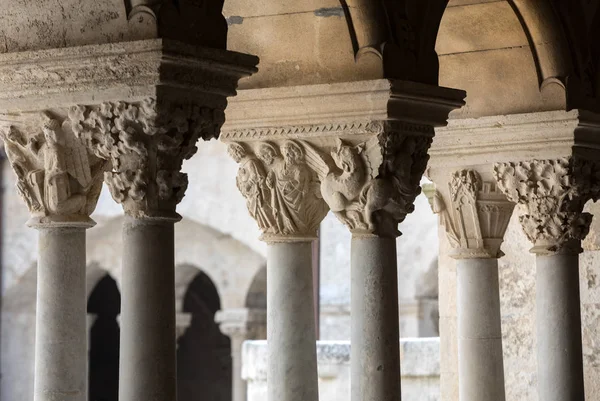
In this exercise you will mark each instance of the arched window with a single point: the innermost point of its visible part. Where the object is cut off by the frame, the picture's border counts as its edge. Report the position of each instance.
(104, 306)
(204, 353)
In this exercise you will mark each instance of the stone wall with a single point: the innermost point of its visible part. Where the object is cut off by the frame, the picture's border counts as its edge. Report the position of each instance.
(419, 360)
(517, 297)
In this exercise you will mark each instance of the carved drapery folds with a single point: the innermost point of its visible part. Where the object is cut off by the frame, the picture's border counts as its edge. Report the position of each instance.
(281, 192)
(551, 194)
(57, 176)
(476, 217)
(370, 184)
(146, 143)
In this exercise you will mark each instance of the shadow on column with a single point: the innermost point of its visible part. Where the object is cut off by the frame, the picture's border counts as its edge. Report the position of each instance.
(204, 353)
(104, 306)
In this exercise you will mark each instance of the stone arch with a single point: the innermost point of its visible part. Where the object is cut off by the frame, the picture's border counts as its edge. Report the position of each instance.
(256, 297)
(204, 368)
(104, 308)
(230, 264)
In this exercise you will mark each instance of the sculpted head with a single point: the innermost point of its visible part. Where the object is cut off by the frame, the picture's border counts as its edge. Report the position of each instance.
(13, 135)
(237, 152)
(292, 152)
(345, 156)
(267, 153)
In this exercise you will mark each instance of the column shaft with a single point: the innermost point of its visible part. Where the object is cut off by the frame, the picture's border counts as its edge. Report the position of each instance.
(560, 364)
(481, 367)
(292, 370)
(239, 384)
(147, 361)
(61, 325)
(375, 337)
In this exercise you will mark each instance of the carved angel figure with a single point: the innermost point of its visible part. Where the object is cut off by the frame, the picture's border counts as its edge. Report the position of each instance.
(349, 186)
(251, 183)
(53, 169)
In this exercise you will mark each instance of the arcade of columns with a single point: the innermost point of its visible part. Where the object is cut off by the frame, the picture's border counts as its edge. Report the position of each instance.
(130, 113)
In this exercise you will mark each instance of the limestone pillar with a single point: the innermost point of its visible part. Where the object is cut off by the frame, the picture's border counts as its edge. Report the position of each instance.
(241, 325)
(475, 216)
(60, 181)
(551, 195)
(282, 196)
(366, 167)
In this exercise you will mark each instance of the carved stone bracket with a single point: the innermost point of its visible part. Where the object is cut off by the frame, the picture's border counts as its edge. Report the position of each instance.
(57, 176)
(552, 194)
(146, 143)
(477, 216)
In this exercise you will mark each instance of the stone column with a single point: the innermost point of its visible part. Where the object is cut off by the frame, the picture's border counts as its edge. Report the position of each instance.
(551, 195)
(60, 182)
(367, 169)
(241, 325)
(282, 196)
(375, 334)
(475, 216)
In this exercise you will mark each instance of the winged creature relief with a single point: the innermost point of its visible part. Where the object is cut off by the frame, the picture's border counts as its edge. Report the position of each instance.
(56, 176)
(349, 185)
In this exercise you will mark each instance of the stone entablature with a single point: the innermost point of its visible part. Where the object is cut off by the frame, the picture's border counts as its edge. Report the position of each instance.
(133, 111)
(358, 151)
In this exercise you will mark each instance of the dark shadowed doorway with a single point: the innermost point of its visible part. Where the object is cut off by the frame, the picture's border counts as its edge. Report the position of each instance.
(204, 353)
(104, 307)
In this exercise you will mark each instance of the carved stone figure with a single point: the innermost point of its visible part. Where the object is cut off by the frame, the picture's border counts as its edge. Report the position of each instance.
(251, 182)
(56, 175)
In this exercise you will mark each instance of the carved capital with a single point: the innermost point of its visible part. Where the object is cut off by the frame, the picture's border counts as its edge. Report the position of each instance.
(281, 191)
(146, 143)
(551, 195)
(243, 324)
(59, 179)
(475, 217)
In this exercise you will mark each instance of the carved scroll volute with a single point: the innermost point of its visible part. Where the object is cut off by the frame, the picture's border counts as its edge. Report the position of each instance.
(281, 191)
(477, 218)
(57, 176)
(551, 195)
(146, 144)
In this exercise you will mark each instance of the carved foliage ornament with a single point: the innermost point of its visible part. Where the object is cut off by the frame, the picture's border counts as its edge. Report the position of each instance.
(371, 187)
(146, 144)
(552, 194)
(57, 177)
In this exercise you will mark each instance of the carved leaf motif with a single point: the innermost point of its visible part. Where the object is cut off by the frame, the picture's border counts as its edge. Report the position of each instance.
(553, 193)
(146, 144)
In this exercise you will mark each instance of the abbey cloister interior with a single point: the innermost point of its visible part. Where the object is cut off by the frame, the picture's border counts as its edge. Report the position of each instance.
(300, 200)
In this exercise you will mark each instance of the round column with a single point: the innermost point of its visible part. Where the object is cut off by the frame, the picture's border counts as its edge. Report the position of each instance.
(148, 349)
(238, 384)
(558, 316)
(61, 366)
(481, 366)
(375, 337)
(292, 370)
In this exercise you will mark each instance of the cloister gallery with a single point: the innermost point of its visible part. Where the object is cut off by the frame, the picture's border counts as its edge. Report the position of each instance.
(260, 160)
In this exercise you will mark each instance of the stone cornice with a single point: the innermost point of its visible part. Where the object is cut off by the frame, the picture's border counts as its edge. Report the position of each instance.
(330, 110)
(37, 80)
(487, 140)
